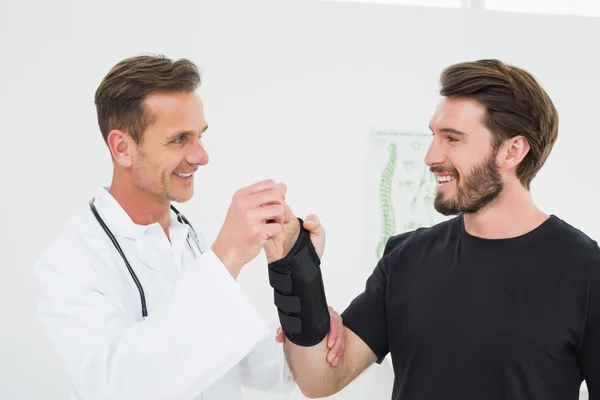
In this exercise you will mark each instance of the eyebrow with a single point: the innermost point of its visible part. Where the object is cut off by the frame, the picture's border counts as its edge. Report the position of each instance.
(450, 130)
(177, 134)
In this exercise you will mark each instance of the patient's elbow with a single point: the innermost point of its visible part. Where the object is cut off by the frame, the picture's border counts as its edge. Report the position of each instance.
(313, 391)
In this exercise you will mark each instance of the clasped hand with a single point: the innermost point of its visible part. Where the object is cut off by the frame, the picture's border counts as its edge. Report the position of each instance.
(259, 218)
(280, 245)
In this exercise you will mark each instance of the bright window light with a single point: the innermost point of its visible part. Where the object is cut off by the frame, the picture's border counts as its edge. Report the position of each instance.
(426, 3)
(588, 8)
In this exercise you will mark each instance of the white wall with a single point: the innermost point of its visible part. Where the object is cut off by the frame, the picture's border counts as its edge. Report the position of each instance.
(286, 84)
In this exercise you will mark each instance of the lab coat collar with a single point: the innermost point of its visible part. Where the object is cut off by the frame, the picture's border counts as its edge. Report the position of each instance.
(121, 224)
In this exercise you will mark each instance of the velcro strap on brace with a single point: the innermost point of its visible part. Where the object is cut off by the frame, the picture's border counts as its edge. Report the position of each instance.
(299, 293)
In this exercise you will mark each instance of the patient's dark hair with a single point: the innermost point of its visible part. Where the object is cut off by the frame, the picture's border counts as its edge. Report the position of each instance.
(515, 104)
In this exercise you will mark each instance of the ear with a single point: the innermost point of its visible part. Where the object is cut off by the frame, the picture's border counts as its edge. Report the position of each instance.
(516, 149)
(120, 147)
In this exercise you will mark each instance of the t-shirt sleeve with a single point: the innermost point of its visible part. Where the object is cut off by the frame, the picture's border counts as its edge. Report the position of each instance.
(589, 353)
(366, 314)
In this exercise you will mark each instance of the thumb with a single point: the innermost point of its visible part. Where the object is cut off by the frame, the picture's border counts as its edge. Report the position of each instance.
(283, 189)
(313, 225)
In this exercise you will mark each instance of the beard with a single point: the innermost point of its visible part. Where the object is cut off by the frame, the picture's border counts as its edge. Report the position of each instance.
(479, 189)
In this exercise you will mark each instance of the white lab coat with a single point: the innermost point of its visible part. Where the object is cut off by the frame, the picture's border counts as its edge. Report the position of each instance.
(202, 338)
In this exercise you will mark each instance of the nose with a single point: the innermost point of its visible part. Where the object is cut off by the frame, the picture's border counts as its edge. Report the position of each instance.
(435, 153)
(197, 154)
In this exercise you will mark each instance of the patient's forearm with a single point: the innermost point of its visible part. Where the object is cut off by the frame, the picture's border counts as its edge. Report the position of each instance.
(313, 374)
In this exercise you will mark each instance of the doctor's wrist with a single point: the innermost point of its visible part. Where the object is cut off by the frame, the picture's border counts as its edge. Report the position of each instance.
(232, 263)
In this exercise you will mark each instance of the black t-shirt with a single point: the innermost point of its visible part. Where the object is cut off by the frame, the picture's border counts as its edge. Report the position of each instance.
(470, 318)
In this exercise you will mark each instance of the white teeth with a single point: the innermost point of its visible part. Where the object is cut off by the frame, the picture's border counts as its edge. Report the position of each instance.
(184, 175)
(446, 178)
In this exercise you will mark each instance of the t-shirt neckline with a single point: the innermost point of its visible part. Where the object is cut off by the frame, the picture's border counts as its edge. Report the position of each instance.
(532, 236)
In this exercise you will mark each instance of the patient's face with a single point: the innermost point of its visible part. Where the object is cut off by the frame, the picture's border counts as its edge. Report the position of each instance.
(462, 157)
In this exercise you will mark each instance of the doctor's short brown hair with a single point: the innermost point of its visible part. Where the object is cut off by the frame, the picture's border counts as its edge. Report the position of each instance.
(515, 104)
(120, 97)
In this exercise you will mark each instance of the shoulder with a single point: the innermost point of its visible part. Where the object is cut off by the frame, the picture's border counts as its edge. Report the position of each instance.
(423, 238)
(570, 232)
(404, 253)
(582, 251)
(573, 238)
(71, 251)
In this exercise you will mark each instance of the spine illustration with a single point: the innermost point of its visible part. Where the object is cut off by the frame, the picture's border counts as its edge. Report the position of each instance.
(388, 225)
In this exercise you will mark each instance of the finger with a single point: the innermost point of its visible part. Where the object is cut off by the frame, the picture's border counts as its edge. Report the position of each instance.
(331, 356)
(266, 197)
(272, 230)
(283, 189)
(333, 334)
(342, 341)
(280, 337)
(330, 338)
(334, 355)
(268, 213)
(338, 348)
(260, 186)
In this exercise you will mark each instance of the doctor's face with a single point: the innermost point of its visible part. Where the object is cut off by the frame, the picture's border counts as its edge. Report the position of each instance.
(171, 150)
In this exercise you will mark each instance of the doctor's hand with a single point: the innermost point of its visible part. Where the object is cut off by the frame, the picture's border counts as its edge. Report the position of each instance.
(256, 214)
(336, 339)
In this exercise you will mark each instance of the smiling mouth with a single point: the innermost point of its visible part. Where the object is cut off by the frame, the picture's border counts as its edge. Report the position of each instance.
(443, 179)
(183, 175)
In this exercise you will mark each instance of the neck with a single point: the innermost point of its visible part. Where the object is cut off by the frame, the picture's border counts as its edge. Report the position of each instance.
(512, 214)
(142, 207)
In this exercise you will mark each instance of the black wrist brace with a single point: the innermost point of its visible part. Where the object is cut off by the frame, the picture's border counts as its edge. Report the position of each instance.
(299, 293)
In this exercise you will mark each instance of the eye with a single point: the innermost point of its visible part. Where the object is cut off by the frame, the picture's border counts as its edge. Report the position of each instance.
(179, 139)
(451, 139)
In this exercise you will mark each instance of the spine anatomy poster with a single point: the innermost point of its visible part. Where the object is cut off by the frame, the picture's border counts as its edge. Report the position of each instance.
(400, 188)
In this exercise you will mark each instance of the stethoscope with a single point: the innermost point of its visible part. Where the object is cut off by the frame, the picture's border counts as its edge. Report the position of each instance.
(180, 217)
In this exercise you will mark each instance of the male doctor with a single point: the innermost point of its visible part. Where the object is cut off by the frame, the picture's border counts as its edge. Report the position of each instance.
(201, 338)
